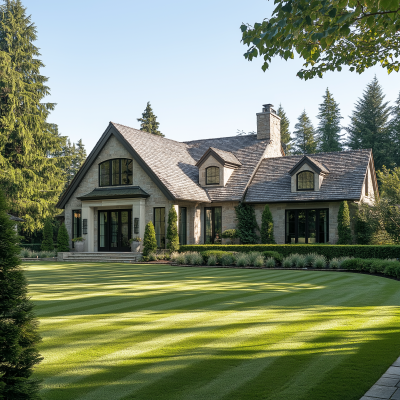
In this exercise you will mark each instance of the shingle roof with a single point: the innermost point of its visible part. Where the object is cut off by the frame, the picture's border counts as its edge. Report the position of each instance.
(227, 156)
(272, 182)
(247, 149)
(115, 193)
(309, 160)
(16, 219)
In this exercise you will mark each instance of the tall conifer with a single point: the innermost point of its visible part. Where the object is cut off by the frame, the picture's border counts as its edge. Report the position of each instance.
(148, 122)
(369, 124)
(30, 177)
(18, 325)
(328, 131)
(394, 128)
(304, 136)
(285, 133)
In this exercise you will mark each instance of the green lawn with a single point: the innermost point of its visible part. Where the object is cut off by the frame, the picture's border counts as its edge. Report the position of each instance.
(121, 331)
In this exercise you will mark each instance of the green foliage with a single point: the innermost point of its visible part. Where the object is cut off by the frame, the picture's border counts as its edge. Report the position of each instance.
(274, 254)
(148, 122)
(285, 132)
(328, 250)
(394, 131)
(230, 234)
(327, 35)
(62, 239)
(344, 230)
(390, 184)
(172, 230)
(369, 125)
(267, 227)
(149, 240)
(47, 244)
(30, 177)
(386, 267)
(304, 136)
(247, 223)
(328, 131)
(218, 254)
(364, 226)
(18, 325)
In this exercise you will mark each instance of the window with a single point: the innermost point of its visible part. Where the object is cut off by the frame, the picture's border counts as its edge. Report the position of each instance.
(213, 225)
(159, 226)
(307, 226)
(212, 176)
(305, 180)
(115, 172)
(182, 225)
(76, 225)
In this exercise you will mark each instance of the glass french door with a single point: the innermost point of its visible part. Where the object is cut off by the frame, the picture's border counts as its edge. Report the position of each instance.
(213, 225)
(114, 230)
(182, 225)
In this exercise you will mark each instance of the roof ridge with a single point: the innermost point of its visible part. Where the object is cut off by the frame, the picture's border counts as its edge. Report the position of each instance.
(223, 137)
(325, 152)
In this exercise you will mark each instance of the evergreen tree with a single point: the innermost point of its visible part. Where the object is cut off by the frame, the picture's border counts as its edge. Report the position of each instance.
(148, 122)
(328, 131)
(246, 223)
(267, 227)
(18, 325)
(30, 177)
(285, 133)
(62, 239)
(369, 125)
(304, 136)
(344, 229)
(149, 240)
(47, 243)
(172, 230)
(394, 129)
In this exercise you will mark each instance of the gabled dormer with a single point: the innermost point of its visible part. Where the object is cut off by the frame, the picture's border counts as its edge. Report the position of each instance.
(307, 175)
(216, 167)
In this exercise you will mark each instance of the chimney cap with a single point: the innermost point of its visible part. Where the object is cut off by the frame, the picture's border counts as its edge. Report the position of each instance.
(268, 108)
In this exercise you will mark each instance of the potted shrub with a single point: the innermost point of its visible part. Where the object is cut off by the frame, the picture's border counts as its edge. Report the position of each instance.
(78, 244)
(136, 244)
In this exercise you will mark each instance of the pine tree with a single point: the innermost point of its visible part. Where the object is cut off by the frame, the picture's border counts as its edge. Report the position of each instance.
(246, 223)
(328, 131)
(172, 230)
(148, 122)
(304, 136)
(31, 179)
(62, 239)
(18, 325)
(149, 240)
(394, 129)
(344, 230)
(369, 125)
(47, 243)
(285, 133)
(267, 227)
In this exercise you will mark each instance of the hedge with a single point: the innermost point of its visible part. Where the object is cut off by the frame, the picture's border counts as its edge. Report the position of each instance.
(328, 250)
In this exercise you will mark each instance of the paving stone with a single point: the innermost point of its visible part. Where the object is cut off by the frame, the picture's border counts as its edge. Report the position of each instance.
(396, 395)
(393, 371)
(396, 363)
(368, 398)
(386, 381)
(381, 392)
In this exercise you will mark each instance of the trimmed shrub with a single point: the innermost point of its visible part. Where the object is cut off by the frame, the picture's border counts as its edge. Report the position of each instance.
(227, 259)
(149, 240)
(247, 223)
(212, 260)
(274, 254)
(230, 234)
(270, 262)
(242, 260)
(217, 253)
(47, 244)
(328, 250)
(62, 239)
(344, 231)
(267, 226)
(252, 257)
(172, 230)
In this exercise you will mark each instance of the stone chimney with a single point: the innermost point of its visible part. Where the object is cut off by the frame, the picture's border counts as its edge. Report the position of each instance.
(269, 124)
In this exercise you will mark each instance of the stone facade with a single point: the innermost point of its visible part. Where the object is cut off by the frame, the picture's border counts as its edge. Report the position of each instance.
(224, 172)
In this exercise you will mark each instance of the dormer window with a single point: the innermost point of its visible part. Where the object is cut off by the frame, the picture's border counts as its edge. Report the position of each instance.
(115, 172)
(305, 180)
(212, 176)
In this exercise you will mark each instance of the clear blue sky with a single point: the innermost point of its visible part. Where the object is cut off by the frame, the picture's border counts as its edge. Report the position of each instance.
(106, 59)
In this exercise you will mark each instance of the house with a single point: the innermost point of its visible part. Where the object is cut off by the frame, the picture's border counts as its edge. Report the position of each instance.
(132, 177)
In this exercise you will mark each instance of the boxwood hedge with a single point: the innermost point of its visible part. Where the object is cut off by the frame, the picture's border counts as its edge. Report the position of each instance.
(328, 250)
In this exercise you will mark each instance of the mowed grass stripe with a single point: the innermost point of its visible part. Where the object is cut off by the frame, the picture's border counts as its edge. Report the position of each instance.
(203, 348)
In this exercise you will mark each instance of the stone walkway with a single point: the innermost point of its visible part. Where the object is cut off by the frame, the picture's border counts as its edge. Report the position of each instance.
(388, 386)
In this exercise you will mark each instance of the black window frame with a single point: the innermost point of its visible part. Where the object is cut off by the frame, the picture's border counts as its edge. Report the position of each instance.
(218, 174)
(213, 230)
(313, 181)
(297, 210)
(163, 239)
(110, 170)
(182, 226)
(78, 226)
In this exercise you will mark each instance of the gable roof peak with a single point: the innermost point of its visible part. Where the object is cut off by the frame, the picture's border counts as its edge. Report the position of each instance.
(306, 159)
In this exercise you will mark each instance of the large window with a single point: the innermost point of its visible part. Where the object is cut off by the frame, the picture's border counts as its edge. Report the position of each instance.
(213, 225)
(115, 172)
(305, 181)
(159, 226)
(76, 225)
(182, 225)
(307, 226)
(212, 176)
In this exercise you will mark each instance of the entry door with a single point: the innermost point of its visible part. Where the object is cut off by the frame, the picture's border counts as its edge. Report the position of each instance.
(114, 230)
(212, 225)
